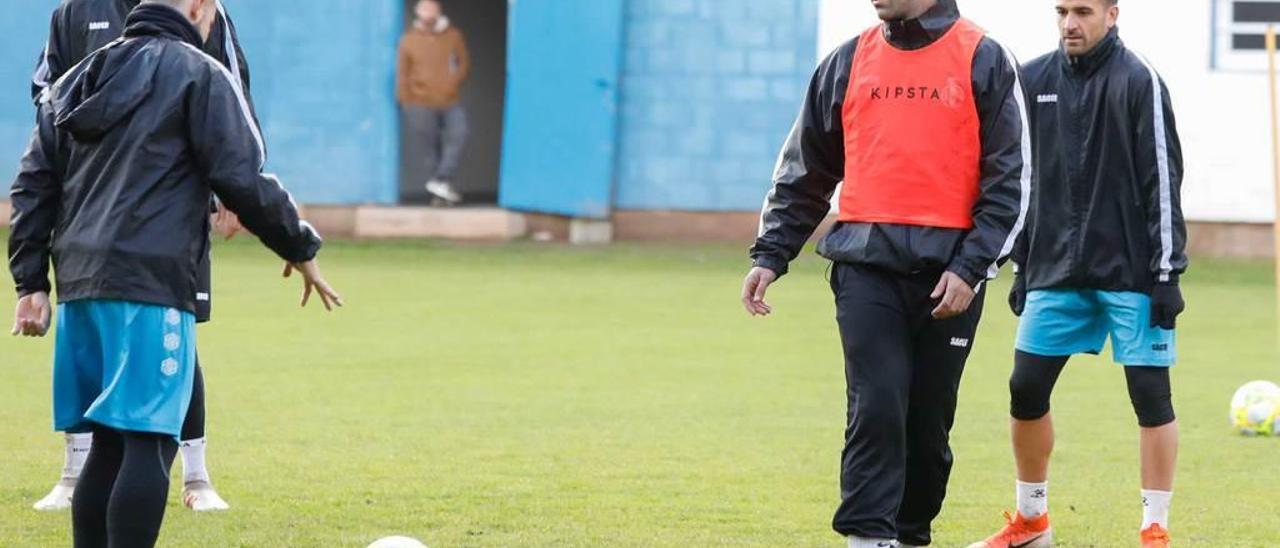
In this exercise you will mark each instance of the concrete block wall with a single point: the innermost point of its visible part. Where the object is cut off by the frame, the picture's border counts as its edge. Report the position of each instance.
(23, 31)
(322, 78)
(709, 90)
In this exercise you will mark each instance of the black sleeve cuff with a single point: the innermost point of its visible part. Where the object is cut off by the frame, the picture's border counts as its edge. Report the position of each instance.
(969, 275)
(25, 289)
(778, 266)
(305, 253)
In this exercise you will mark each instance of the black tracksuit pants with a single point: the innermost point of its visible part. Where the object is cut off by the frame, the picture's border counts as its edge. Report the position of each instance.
(903, 370)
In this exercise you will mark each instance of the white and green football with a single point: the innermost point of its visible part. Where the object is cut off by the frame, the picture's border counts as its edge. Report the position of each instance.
(1255, 409)
(397, 542)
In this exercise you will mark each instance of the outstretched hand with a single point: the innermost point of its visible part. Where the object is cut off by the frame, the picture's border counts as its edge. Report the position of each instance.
(313, 282)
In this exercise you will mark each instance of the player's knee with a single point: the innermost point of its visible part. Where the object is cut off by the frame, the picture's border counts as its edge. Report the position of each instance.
(1030, 387)
(1153, 408)
(1150, 393)
(1028, 397)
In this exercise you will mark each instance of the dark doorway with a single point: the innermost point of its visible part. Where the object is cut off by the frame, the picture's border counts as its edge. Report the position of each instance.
(484, 24)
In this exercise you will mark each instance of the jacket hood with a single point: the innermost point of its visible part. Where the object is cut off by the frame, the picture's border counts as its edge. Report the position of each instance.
(118, 79)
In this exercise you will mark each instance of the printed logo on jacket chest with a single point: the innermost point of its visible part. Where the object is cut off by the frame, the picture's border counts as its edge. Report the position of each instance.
(99, 25)
(951, 94)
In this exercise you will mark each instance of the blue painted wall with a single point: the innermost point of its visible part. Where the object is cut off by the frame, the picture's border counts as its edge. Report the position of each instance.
(323, 82)
(24, 25)
(710, 89)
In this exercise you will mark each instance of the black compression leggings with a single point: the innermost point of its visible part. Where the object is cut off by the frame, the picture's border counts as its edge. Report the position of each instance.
(1034, 377)
(120, 499)
(193, 424)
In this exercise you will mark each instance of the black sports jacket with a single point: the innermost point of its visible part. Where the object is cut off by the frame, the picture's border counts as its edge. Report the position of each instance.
(812, 164)
(79, 27)
(129, 148)
(1106, 212)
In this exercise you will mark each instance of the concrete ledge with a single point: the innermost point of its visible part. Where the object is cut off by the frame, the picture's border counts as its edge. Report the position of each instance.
(590, 232)
(659, 226)
(1230, 240)
(489, 224)
(548, 228)
(332, 221)
(1205, 239)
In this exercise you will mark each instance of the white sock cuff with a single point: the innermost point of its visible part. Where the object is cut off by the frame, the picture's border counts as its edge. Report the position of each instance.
(862, 542)
(198, 442)
(1155, 507)
(1030, 485)
(80, 440)
(1033, 499)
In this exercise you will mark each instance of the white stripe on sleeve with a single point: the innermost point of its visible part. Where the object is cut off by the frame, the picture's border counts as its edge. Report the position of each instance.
(1162, 167)
(1024, 180)
(41, 78)
(244, 104)
(229, 47)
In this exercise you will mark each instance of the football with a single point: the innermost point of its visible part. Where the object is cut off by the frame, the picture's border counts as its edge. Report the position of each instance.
(1255, 409)
(397, 542)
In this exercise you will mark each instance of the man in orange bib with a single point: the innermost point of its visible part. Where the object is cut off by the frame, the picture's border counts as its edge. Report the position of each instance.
(924, 119)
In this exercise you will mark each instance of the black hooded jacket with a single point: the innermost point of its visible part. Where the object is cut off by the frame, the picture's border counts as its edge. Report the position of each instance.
(1106, 212)
(812, 163)
(80, 27)
(116, 183)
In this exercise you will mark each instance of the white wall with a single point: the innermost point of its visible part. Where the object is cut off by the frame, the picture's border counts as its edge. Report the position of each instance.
(1222, 116)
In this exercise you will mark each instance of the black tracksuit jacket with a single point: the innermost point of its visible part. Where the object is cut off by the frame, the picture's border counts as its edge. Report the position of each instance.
(130, 146)
(1106, 211)
(79, 27)
(812, 164)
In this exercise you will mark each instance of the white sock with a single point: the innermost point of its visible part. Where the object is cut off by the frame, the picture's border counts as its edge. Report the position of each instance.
(77, 450)
(1033, 499)
(860, 542)
(193, 461)
(1155, 508)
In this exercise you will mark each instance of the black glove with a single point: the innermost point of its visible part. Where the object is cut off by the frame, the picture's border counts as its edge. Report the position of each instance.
(1018, 295)
(1166, 304)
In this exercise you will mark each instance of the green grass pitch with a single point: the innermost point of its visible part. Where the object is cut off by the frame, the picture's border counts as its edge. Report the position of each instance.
(528, 395)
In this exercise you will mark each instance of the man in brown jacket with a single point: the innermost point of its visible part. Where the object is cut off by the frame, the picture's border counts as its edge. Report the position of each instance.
(431, 67)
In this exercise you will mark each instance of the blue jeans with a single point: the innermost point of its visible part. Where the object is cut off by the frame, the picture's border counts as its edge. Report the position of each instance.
(444, 133)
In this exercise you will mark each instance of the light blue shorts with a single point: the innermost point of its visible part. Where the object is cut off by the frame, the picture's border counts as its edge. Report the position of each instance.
(1064, 322)
(124, 365)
